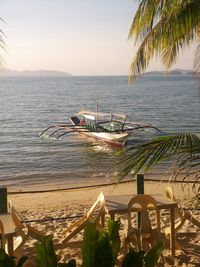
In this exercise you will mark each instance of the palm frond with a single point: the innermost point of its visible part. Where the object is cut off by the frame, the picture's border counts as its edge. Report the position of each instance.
(144, 19)
(148, 155)
(163, 28)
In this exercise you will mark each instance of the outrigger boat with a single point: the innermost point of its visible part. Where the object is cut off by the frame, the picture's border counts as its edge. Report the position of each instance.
(111, 128)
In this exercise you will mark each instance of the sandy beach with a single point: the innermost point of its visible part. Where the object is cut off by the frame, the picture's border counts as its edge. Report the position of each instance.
(52, 212)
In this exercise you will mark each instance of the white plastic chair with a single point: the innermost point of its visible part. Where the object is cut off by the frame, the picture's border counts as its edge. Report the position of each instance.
(143, 236)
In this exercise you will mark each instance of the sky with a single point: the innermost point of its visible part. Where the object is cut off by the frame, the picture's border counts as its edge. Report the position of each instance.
(79, 37)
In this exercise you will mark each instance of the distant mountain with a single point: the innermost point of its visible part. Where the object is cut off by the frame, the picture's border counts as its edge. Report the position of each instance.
(180, 71)
(36, 73)
(172, 72)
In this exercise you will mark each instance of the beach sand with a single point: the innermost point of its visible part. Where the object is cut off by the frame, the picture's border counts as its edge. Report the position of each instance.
(51, 213)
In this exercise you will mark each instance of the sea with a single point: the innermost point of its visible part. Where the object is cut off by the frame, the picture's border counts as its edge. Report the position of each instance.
(31, 104)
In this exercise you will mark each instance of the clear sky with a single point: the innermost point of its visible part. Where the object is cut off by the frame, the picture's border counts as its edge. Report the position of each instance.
(82, 37)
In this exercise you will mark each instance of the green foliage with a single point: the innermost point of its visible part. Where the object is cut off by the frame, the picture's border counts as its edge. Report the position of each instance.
(103, 252)
(90, 239)
(46, 256)
(152, 256)
(8, 261)
(186, 146)
(114, 238)
(100, 249)
(71, 263)
(142, 259)
(134, 259)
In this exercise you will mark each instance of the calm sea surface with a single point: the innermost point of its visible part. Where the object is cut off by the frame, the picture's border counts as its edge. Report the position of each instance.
(30, 104)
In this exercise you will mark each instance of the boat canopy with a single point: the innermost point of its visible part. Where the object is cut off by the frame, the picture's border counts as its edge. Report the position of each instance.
(93, 115)
(102, 117)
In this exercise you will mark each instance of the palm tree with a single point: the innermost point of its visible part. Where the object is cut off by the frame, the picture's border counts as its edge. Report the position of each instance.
(163, 28)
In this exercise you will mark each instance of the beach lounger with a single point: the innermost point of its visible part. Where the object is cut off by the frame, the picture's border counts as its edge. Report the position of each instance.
(22, 233)
(142, 235)
(95, 214)
(181, 215)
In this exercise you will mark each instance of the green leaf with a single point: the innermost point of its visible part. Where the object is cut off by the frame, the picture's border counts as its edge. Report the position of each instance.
(151, 153)
(152, 256)
(6, 260)
(90, 239)
(22, 261)
(134, 259)
(46, 256)
(103, 252)
(71, 263)
(114, 238)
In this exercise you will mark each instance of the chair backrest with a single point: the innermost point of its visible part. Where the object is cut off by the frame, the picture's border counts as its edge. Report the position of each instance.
(179, 212)
(16, 217)
(2, 236)
(97, 208)
(169, 193)
(142, 204)
(94, 214)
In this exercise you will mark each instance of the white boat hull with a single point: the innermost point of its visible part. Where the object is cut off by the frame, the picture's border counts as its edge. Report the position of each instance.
(110, 136)
(113, 139)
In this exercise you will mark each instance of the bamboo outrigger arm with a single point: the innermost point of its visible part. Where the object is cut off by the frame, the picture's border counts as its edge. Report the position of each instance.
(143, 127)
(52, 126)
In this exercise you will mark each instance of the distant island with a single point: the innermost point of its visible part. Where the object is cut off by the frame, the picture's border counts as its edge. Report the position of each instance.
(34, 73)
(172, 72)
(55, 73)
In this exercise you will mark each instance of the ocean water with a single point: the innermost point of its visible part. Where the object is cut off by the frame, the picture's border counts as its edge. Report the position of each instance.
(30, 104)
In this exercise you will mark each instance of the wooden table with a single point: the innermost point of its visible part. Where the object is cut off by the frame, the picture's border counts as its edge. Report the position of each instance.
(9, 229)
(118, 204)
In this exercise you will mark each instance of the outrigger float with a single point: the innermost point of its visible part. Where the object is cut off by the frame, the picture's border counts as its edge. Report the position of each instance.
(111, 128)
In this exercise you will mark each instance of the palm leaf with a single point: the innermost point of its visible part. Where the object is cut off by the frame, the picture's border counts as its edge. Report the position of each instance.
(148, 155)
(163, 28)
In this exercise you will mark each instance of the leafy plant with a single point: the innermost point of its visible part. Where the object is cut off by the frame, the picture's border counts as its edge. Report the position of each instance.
(8, 261)
(141, 259)
(114, 238)
(100, 248)
(90, 239)
(46, 256)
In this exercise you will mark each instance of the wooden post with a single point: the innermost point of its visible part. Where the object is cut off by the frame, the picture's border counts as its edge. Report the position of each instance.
(3, 200)
(140, 184)
(140, 190)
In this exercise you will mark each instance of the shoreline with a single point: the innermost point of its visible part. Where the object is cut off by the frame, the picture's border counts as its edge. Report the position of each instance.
(58, 197)
(64, 185)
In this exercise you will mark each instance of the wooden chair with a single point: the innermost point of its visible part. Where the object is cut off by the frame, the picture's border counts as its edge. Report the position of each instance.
(2, 236)
(23, 230)
(143, 236)
(181, 215)
(96, 214)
